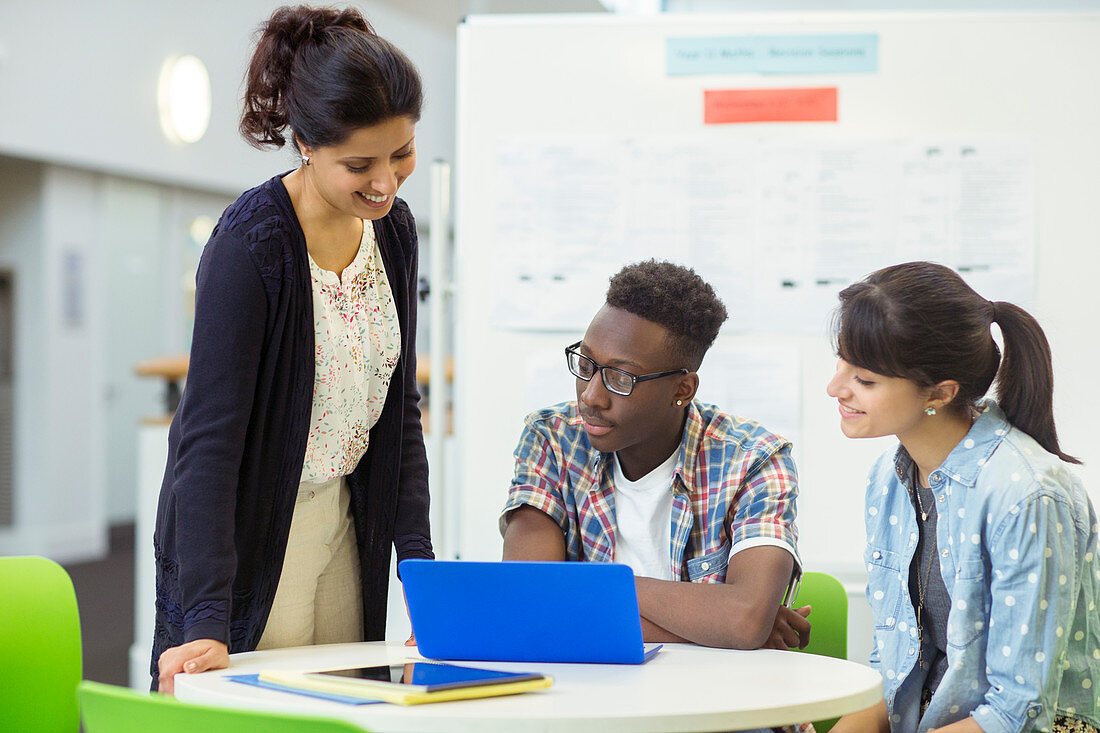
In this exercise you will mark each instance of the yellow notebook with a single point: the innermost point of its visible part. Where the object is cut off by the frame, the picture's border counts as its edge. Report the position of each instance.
(412, 683)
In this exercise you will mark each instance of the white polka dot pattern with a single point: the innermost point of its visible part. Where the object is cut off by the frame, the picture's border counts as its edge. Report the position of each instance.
(1011, 529)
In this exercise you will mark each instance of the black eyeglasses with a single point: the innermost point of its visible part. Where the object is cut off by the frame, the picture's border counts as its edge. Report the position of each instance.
(616, 380)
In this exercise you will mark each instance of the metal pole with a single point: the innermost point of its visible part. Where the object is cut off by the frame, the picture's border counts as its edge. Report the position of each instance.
(439, 239)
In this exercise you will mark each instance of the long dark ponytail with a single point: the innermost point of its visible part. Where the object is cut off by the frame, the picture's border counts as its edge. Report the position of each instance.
(922, 322)
(323, 72)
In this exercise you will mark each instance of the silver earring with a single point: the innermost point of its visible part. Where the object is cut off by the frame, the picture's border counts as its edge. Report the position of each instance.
(679, 403)
(305, 160)
(930, 411)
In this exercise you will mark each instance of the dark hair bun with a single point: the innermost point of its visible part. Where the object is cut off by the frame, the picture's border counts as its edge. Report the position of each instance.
(302, 24)
(312, 69)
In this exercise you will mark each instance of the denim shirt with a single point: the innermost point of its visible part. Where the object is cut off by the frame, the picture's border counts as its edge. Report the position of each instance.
(1017, 537)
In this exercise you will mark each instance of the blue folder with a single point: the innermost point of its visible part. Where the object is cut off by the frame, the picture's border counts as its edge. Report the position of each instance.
(255, 681)
(525, 611)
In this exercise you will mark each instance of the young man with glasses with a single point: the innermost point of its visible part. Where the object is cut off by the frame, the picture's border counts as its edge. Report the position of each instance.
(637, 471)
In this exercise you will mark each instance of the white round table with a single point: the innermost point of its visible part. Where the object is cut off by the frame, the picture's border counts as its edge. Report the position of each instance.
(684, 688)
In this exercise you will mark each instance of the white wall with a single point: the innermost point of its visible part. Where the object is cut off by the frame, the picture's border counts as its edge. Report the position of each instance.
(85, 75)
(66, 387)
(85, 86)
(99, 263)
(20, 232)
(48, 237)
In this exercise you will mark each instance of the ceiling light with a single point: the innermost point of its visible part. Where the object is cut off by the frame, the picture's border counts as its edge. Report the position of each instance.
(183, 96)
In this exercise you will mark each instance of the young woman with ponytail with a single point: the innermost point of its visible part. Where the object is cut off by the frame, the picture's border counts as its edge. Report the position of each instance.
(981, 543)
(296, 458)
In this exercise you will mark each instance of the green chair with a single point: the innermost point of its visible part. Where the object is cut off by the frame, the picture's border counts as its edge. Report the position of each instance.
(829, 633)
(110, 709)
(40, 659)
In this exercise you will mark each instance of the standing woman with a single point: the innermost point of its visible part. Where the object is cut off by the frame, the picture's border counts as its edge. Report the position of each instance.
(981, 544)
(296, 457)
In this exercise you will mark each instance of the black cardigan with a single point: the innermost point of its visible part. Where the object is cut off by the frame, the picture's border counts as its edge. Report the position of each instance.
(237, 443)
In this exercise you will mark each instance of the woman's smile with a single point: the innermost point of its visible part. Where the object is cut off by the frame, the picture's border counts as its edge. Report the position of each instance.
(848, 412)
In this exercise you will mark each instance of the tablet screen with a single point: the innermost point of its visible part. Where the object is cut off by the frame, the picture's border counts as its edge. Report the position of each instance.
(430, 675)
(394, 673)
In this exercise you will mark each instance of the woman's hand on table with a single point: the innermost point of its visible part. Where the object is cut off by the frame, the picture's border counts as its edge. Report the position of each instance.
(199, 655)
(412, 632)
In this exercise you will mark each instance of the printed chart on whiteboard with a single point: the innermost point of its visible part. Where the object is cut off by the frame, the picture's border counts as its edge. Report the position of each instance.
(777, 226)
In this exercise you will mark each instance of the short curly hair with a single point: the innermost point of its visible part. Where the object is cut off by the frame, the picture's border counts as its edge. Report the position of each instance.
(674, 297)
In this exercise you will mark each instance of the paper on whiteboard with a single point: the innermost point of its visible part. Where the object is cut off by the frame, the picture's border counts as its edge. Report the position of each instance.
(558, 231)
(996, 232)
(972, 207)
(777, 227)
(760, 381)
(568, 217)
(825, 214)
(546, 379)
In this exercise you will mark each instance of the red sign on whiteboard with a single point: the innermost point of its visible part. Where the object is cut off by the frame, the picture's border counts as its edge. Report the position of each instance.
(769, 105)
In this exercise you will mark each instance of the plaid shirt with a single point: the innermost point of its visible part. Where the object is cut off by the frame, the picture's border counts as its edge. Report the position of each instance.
(734, 487)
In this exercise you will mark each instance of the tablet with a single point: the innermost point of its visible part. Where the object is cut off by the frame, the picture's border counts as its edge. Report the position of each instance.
(426, 676)
(410, 683)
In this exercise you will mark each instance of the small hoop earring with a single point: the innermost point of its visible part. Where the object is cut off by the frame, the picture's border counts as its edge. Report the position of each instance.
(305, 160)
(679, 403)
(930, 411)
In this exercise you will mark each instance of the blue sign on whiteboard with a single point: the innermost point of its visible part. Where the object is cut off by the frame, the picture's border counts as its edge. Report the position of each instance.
(819, 54)
(789, 54)
(730, 55)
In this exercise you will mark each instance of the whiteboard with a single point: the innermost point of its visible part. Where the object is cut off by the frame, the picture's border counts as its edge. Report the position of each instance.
(559, 89)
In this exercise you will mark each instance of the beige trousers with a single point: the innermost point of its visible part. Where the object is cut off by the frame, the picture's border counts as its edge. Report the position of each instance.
(319, 598)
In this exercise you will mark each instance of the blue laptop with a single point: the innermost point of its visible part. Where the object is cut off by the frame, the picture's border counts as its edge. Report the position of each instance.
(525, 611)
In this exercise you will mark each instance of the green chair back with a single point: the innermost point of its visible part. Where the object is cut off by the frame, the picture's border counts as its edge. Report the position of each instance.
(40, 662)
(110, 709)
(829, 632)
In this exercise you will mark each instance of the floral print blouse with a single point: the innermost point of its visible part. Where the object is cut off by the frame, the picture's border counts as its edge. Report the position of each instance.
(358, 343)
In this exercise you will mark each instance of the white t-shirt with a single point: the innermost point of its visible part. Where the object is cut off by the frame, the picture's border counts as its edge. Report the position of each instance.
(643, 520)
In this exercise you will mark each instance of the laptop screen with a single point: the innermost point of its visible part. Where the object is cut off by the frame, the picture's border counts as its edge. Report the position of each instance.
(524, 611)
